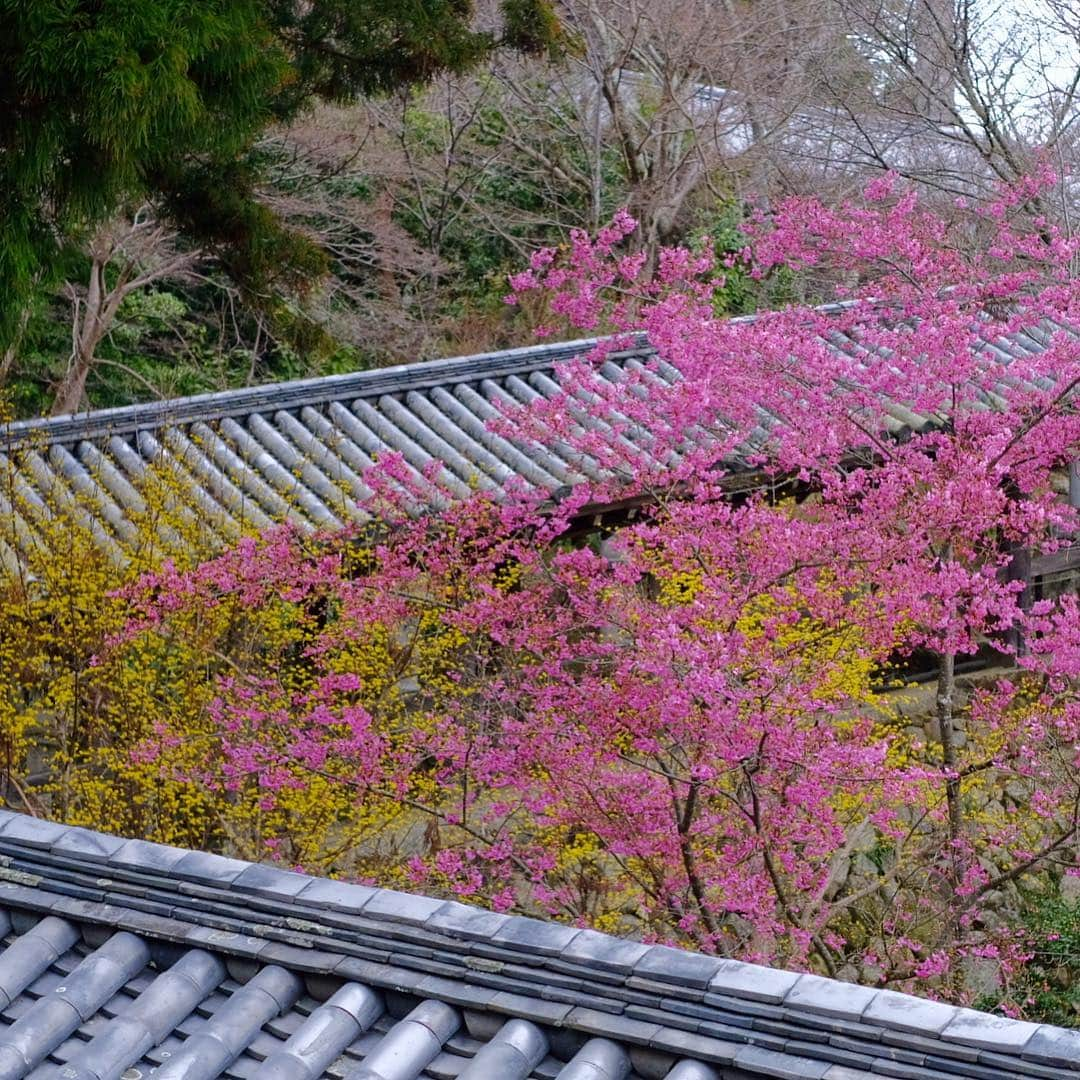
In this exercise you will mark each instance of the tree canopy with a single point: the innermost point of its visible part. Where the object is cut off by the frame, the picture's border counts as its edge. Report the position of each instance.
(111, 101)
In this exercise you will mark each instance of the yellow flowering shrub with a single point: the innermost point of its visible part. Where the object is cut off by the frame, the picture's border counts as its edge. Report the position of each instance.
(117, 736)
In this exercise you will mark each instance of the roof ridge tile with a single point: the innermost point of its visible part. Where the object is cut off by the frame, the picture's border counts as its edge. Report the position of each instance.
(547, 973)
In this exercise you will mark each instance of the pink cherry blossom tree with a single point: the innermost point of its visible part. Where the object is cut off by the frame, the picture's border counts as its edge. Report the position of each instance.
(681, 732)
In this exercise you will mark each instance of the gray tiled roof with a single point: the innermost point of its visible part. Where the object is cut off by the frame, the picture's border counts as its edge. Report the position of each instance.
(124, 959)
(301, 449)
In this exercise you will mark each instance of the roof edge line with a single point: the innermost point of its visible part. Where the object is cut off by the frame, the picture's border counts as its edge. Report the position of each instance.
(370, 382)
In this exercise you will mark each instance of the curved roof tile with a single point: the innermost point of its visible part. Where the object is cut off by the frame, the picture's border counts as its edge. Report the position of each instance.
(300, 449)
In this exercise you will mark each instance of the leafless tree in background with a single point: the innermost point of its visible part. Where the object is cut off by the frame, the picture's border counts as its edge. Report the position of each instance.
(331, 179)
(662, 106)
(126, 255)
(690, 95)
(962, 94)
(676, 109)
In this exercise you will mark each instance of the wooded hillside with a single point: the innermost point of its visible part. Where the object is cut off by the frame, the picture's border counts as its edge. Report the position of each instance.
(204, 196)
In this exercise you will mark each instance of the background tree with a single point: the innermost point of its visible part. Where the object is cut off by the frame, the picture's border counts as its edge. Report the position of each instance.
(105, 105)
(405, 211)
(688, 114)
(959, 96)
(122, 262)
